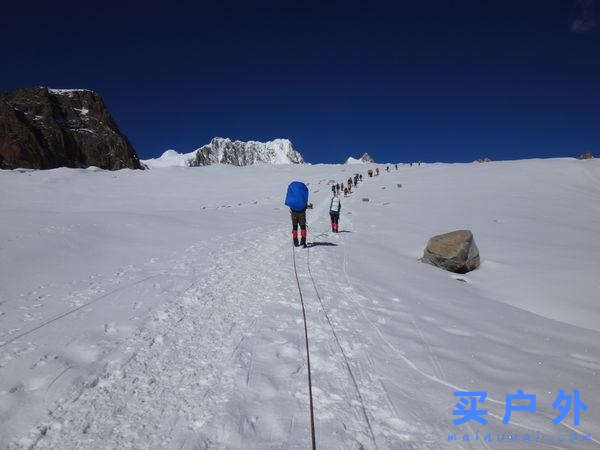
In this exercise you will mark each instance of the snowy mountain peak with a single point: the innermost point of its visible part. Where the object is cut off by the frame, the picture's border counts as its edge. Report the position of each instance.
(238, 153)
(171, 158)
(352, 160)
(365, 158)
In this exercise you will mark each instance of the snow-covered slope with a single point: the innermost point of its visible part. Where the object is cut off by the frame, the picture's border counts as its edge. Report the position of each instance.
(352, 160)
(365, 158)
(171, 158)
(237, 153)
(159, 308)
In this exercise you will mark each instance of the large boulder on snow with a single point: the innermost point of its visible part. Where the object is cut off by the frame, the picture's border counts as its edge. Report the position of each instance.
(455, 251)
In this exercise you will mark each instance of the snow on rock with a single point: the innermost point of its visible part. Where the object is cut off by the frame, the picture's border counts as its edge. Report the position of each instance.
(365, 158)
(44, 128)
(67, 91)
(82, 111)
(237, 153)
(240, 153)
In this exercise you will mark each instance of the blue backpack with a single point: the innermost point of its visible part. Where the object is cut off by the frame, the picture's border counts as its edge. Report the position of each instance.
(297, 196)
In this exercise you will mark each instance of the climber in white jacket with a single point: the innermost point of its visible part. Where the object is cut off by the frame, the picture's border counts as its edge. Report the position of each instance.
(334, 212)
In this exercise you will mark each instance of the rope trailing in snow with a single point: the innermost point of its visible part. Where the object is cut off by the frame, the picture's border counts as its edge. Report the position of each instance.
(346, 361)
(310, 396)
(74, 310)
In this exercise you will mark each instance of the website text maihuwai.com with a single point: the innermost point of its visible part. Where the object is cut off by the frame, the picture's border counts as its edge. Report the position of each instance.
(536, 437)
(469, 410)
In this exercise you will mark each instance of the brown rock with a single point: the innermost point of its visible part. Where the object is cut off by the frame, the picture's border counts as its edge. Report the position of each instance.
(43, 128)
(366, 158)
(455, 251)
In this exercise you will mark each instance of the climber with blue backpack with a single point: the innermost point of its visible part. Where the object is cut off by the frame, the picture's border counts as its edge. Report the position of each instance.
(297, 200)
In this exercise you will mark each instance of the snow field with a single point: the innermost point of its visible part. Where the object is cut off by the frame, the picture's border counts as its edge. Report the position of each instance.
(189, 329)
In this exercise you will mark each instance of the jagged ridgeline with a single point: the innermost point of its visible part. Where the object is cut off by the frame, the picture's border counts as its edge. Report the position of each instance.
(43, 128)
(237, 153)
(365, 158)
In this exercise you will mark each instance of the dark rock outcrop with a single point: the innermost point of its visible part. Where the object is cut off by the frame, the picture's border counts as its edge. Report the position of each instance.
(586, 155)
(455, 251)
(43, 128)
(367, 158)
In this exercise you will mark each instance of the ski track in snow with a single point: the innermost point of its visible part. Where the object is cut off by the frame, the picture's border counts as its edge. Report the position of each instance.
(216, 356)
(206, 333)
(437, 374)
(200, 372)
(390, 428)
(213, 353)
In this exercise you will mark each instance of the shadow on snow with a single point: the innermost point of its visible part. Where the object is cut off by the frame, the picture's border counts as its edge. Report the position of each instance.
(315, 244)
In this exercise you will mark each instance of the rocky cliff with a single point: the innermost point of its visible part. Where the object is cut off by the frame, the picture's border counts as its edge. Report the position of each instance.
(240, 153)
(367, 158)
(43, 128)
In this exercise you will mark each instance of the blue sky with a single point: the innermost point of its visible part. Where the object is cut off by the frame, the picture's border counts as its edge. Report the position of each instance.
(404, 81)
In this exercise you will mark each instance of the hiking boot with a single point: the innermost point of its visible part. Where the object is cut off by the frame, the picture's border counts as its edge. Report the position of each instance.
(295, 242)
(303, 242)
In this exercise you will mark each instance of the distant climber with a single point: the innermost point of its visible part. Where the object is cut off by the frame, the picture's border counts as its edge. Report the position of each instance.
(335, 206)
(333, 189)
(297, 200)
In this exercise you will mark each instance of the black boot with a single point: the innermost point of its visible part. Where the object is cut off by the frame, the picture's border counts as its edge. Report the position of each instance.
(303, 242)
(295, 242)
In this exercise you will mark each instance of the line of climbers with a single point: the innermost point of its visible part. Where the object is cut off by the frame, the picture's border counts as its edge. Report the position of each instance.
(297, 200)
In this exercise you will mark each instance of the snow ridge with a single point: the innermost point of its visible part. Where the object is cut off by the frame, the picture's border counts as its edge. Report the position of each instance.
(352, 160)
(365, 158)
(66, 91)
